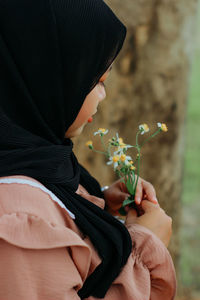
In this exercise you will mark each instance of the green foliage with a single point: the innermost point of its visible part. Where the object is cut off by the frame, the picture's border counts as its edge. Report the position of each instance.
(190, 233)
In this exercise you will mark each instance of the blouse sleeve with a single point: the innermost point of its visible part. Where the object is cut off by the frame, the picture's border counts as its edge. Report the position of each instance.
(149, 273)
(40, 260)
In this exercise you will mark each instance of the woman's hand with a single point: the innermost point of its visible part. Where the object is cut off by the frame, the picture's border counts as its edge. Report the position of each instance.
(117, 193)
(154, 218)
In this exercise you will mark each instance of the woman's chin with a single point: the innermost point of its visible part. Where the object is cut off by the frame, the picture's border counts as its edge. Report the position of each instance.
(75, 133)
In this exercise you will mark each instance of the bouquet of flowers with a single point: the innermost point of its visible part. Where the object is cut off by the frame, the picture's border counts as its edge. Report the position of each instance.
(127, 168)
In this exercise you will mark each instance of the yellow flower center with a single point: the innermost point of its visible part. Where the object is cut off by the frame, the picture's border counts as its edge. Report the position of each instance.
(89, 143)
(131, 162)
(102, 129)
(164, 127)
(115, 158)
(120, 141)
(146, 127)
(132, 168)
(123, 157)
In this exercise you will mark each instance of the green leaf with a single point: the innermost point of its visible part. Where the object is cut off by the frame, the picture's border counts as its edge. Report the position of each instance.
(130, 187)
(127, 202)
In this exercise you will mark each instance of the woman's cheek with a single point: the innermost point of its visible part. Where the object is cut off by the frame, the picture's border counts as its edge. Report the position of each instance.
(87, 112)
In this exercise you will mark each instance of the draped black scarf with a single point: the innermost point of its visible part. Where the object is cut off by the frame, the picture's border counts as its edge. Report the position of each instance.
(52, 54)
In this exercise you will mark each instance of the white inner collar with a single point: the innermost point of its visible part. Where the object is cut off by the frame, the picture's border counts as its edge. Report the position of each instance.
(41, 187)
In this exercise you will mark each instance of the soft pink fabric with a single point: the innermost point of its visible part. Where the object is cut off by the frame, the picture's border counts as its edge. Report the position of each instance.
(44, 256)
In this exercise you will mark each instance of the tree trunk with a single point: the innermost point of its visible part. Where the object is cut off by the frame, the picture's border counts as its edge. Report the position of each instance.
(149, 84)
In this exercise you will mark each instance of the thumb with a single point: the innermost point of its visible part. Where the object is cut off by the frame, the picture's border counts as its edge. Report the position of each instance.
(120, 197)
(121, 193)
(149, 206)
(124, 195)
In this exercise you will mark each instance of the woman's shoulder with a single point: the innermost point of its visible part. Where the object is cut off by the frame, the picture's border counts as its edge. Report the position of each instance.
(23, 194)
(30, 218)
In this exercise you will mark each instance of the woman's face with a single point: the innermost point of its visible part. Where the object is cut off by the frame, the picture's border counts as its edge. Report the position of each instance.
(89, 107)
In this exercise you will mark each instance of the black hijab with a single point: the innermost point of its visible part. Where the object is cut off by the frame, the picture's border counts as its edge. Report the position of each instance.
(52, 54)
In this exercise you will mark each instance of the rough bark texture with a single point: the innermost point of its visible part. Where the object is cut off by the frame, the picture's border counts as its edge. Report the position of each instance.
(149, 84)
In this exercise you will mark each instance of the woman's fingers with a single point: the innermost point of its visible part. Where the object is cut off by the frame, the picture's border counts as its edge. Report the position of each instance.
(139, 192)
(149, 191)
(145, 190)
(148, 206)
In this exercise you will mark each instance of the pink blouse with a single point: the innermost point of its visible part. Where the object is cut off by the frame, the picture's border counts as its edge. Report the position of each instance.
(44, 255)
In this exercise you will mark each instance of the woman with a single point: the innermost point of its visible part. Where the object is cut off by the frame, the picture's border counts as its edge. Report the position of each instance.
(57, 239)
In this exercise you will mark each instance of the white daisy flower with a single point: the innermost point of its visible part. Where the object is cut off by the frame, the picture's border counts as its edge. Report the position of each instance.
(114, 160)
(144, 128)
(163, 126)
(125, 159)
(121, 145)
(101, 131)
(120, 149)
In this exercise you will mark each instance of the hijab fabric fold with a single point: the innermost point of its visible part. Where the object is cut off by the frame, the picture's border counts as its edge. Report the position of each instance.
(52, 54)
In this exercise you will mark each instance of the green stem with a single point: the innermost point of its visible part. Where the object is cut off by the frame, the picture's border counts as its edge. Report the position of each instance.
(132, 178)
(134, 146)
(137, 145)
(104, 146)
(125, 177)
(121, 177)
(97, 151)
(109, 153)
(102, 141)
(138, 168)
(150, 137)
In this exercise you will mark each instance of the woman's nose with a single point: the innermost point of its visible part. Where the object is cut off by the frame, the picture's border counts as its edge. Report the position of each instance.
(102, 94)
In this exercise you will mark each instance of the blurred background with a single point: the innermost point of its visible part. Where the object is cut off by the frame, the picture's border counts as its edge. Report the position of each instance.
(156, 78)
